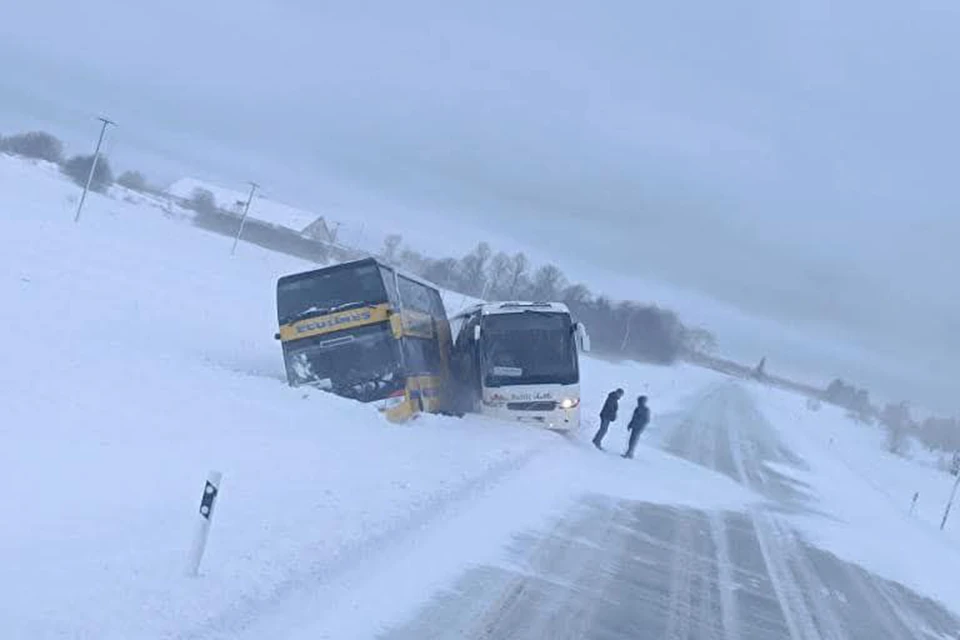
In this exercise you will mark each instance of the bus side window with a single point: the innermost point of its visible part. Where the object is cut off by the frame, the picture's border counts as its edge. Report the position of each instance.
(431, 352)
(414, 357)
(414, 295)
(436, 303)
(390, 282)
(423, 356)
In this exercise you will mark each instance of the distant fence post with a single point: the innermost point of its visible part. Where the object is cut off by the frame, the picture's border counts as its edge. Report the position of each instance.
(946, 512)
(207, 502)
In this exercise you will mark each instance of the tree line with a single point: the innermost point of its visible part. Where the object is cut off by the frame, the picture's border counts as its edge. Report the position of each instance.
(40, 145)
(935, 433)
(618, 328)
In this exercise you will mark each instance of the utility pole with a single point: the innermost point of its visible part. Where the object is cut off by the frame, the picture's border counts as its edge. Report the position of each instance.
(946, 512)
(243, 218)
(93, 165)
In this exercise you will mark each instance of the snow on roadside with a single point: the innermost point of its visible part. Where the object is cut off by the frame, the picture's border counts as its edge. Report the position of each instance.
(869, 492)
(138, 354)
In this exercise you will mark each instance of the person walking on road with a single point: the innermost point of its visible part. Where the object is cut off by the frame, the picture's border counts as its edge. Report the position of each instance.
(641, 416)
(608, 414)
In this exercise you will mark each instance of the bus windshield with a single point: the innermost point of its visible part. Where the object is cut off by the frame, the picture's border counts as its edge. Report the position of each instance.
(363, 363)
(322, 292)
(531, 347)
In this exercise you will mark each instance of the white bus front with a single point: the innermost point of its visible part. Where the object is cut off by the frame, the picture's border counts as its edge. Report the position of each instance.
(529, 366)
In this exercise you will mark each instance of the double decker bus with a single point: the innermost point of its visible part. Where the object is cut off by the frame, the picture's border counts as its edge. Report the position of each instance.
(519, 361)
(364, 330)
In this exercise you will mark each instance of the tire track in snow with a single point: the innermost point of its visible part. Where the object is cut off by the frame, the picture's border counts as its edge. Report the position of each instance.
(679, 612)
(546, 591)
(708, 628)
(697, 440)
(726, 586)
(572, 618)
(797, 617)
(777, 545)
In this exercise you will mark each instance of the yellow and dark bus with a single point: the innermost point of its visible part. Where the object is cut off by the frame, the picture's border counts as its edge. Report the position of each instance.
(365, 331)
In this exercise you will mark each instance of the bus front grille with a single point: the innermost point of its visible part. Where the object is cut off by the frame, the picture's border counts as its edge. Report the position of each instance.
(547, 405)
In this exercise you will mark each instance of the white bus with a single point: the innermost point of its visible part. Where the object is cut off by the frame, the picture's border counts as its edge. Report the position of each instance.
(519, 361)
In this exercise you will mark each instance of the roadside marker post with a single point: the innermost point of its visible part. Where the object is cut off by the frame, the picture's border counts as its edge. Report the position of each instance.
(208, 501)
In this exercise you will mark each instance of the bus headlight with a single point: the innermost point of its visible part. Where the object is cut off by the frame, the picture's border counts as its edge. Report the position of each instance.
(569, 403)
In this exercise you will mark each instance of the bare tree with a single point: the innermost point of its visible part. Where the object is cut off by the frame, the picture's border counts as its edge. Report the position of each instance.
(498, 275)
(942, 434)
(518, 275)
(443, 273)
(576, 295)
(413, 261)
(391, 248)
(34, 144)
(896, 418)
(133, 180)
(548, 282)
(473, 267)
(699, 340)
(202, 201)
(77, 169)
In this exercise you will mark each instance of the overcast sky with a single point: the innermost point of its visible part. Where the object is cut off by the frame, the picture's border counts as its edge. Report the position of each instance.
(795, 160)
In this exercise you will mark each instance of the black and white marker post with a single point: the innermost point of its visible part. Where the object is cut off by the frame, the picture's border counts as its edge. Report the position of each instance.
(207, 502)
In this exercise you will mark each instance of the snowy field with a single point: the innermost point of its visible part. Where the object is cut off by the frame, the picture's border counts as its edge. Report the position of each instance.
(138, 355)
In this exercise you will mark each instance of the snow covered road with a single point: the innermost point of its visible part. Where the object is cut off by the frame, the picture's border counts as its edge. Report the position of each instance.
(616, 568)
(137, 355)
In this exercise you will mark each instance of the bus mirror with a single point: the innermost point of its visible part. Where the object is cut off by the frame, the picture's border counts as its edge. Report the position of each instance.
(276, 336)
(476, 333)
(583, 337)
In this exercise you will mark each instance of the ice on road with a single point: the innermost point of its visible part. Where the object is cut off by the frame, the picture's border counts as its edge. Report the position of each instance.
(616, 569)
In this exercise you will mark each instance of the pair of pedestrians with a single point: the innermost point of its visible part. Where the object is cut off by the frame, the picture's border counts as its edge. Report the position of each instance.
(638, 422)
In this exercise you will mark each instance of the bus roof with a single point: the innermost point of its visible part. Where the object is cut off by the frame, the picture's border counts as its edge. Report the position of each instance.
(303, 275)
(499, 308)
(351, 264)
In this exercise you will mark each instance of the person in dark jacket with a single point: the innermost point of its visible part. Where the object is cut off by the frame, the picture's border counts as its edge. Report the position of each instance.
(641, 416)
(608, 414)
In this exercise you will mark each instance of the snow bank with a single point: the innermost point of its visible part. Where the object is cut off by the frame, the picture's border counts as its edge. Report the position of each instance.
(869, 493)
